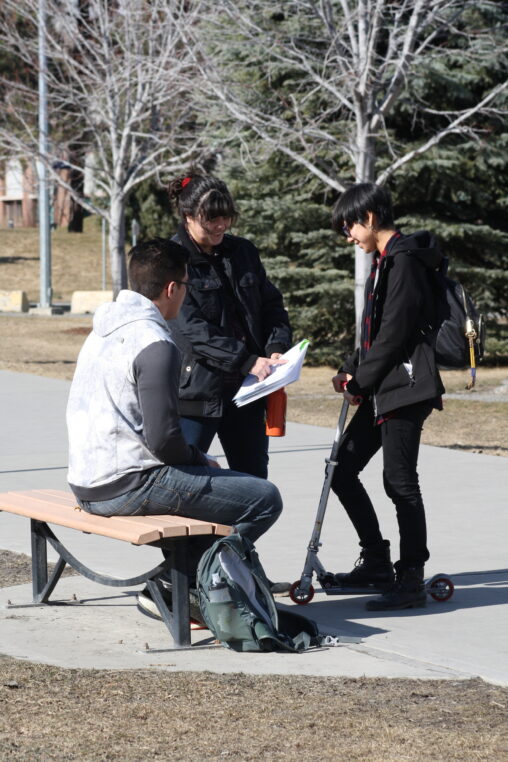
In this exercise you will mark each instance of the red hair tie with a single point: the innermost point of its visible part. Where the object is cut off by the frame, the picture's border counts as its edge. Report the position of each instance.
(186, 181)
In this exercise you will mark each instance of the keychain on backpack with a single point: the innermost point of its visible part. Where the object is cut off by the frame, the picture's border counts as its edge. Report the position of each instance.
(471, 337)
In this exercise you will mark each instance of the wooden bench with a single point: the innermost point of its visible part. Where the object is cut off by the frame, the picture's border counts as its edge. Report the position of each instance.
(170, 533)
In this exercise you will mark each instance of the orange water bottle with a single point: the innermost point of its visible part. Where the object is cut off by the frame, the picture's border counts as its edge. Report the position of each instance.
(276, 413)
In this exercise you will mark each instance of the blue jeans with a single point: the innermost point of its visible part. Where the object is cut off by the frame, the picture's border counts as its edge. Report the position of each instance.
(249, 504)
(241, 432)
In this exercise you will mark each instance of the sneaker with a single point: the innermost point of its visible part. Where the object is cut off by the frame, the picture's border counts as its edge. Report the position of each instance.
(147, 605)
(279, 589)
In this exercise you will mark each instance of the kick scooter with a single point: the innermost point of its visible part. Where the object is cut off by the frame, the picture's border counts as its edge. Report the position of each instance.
(439, 587)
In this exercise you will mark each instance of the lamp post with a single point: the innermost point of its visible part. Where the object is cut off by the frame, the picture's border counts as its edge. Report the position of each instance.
(42, 171)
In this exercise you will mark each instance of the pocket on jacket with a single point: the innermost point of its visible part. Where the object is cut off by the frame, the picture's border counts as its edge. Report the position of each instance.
(206, 284)
(249, 291)
(397, 378)
(186, 372)
(248, 280)
(209, 297)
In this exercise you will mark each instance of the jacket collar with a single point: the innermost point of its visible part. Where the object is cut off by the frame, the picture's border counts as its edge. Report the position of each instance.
(196, 255)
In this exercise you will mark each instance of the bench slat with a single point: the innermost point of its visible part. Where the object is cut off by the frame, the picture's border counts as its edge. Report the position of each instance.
(53, 495)
(165, 524)
(195, 526)
(54, 514)
(59, 507)
(64, 501)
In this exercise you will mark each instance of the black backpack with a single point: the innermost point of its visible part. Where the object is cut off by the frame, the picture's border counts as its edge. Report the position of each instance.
(238, 606)
(458, 326)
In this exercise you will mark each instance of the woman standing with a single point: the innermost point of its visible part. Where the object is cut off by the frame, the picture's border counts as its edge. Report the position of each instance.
(233, 322)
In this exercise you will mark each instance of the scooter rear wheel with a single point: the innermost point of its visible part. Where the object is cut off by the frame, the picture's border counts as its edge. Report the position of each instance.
(298, 597)
(440, 588)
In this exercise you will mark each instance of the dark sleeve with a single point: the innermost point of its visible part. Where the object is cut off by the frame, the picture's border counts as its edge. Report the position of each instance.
(401, 308)
(350, 364)
(273, 316)
(157, 373)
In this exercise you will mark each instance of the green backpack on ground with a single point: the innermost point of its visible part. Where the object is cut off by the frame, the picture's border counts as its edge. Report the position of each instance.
(238, 607)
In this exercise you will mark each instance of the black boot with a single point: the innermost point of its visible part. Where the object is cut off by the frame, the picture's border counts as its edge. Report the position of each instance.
(408, 592)
(374, 567)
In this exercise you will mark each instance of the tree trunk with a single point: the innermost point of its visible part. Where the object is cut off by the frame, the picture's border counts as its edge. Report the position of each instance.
(365, 173)
(76, 211)
(117, 244)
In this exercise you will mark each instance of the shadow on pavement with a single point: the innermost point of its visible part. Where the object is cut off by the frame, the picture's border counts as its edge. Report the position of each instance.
(472, 590)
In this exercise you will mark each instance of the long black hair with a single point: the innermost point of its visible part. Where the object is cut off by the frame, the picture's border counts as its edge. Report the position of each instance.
(201, 196)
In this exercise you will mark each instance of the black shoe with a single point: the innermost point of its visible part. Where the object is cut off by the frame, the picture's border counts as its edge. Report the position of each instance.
(407, 592)
(147, 605)
(374, 567)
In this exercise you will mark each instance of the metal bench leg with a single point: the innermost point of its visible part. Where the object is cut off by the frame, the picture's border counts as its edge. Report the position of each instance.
(178, 620)
(41, 588)
(180, 585)
(39, 560)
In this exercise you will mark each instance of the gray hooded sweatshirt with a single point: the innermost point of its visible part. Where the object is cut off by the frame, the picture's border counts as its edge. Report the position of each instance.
(122, 413)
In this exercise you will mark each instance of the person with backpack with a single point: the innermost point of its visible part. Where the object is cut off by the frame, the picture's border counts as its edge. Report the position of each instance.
(127, 453)
(393, 381)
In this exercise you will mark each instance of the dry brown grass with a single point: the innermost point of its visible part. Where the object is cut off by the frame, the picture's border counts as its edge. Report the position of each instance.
(46, 346)
(48, 713)
(76, 261)
(56, 714)
(463, 424)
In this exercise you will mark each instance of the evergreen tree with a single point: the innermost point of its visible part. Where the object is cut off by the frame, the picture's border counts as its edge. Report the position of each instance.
(149, 205)
(286, 214)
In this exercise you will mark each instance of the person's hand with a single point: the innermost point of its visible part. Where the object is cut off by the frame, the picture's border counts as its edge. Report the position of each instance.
(263, 367)
(352, 399)
(275, 356)
(213, 463)
(340, 380)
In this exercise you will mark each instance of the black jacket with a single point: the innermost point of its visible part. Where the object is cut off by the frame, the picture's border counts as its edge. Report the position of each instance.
(203, 330)
(403, 308)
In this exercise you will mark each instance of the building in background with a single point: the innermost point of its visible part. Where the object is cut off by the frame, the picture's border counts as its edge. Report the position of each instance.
(18, 196)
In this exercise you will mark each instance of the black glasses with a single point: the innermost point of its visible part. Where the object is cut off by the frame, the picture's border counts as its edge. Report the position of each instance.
(184, 283)
(345, 231)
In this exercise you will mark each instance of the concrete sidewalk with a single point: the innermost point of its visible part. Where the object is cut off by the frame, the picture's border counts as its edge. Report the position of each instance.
(465, 497)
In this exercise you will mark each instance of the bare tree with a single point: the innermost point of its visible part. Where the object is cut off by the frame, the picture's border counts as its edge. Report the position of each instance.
(119, 94)
(326, 75)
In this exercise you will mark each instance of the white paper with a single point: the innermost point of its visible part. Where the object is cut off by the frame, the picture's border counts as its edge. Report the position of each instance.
(281, 375)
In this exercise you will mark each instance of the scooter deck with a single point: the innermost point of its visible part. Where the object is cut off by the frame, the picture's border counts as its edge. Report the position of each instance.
(348, 590)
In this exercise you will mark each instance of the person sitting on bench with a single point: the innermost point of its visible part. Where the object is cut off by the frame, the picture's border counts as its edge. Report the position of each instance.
(127, 454)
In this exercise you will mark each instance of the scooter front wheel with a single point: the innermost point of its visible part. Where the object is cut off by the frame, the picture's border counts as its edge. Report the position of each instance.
(298, 596)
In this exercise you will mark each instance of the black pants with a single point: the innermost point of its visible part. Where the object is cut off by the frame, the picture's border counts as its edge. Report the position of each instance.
(400, 439)
(241, 431)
